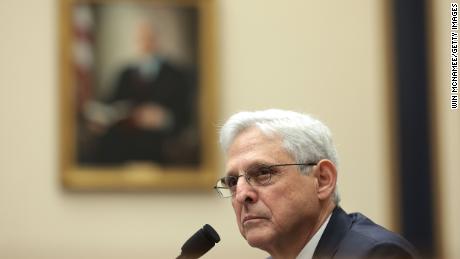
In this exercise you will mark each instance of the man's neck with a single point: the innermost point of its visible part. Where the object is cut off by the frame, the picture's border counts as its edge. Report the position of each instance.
(294, 248)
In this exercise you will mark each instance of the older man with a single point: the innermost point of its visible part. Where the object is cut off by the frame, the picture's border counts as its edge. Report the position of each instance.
(281, 177)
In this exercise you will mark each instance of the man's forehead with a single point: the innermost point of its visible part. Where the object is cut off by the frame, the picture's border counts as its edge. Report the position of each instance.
(251, 147)
(252, 138)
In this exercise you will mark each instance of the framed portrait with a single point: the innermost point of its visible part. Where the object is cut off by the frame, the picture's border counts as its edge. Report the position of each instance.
(137, 95)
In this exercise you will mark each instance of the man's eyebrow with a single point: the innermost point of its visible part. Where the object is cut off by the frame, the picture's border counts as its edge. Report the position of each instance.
(255, 164)
(260, 164)
(231, 173)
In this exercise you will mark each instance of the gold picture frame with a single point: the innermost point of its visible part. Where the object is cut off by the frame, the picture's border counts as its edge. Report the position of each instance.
(166, 142)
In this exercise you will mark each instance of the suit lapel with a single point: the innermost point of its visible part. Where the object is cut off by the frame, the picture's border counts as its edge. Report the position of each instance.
(336, 229)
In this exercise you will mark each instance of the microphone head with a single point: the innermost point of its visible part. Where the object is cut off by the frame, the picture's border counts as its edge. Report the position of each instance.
(200, 243)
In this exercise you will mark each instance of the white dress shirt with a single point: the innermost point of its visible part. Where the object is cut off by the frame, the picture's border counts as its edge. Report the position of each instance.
(309, 249)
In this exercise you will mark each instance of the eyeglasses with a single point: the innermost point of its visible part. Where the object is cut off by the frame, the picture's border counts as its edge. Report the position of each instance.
(258, 175)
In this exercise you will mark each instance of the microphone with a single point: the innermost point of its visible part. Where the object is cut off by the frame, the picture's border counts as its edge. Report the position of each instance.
(200, 243)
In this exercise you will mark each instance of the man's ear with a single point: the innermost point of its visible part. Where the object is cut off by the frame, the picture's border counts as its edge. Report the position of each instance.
(326, 173)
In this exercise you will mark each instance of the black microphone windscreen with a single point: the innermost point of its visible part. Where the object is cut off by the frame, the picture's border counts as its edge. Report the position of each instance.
(200, 243)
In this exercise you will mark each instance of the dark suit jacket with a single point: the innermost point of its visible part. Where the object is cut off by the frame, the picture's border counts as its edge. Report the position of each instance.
(356, 236)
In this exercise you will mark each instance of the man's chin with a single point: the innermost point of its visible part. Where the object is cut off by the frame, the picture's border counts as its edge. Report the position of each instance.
(256, 238)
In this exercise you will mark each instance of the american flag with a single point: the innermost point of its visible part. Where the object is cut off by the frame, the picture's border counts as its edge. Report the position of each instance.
(83, 53)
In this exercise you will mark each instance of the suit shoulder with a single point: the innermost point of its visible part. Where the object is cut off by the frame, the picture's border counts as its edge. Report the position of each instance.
(390, 250)
(377, 241)
(361, 225)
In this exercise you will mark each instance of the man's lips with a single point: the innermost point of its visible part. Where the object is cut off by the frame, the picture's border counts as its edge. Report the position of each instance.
(252, 217)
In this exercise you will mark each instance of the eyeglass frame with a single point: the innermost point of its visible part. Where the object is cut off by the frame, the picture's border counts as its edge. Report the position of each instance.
(248, 177)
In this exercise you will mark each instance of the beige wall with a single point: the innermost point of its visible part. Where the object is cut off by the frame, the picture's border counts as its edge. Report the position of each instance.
(323, 58)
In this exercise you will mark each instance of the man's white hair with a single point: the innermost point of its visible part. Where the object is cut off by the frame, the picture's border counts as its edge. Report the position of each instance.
(305, 138)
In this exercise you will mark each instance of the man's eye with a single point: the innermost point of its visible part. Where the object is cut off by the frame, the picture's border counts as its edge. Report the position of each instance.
(231, 181)
(261, 175)
(264, 171)
(256, 171)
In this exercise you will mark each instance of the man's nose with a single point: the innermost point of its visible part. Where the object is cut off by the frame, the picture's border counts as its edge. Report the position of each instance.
(245, 193)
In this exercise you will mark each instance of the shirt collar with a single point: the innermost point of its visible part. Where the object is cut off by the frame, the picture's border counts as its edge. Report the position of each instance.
(309, 248)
